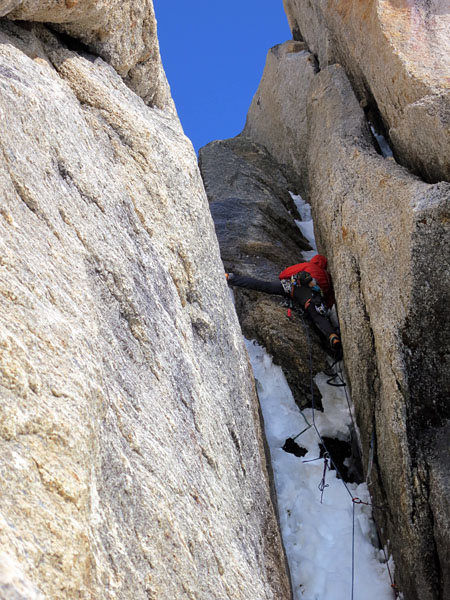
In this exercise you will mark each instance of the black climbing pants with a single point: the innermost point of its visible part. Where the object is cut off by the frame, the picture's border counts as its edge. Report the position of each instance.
(302, 294)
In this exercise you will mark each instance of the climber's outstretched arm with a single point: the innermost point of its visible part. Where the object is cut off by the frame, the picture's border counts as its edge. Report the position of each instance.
(251, 283)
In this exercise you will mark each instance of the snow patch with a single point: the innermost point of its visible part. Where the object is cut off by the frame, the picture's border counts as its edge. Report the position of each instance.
(318, 536)
(306, 225)
(386, 151)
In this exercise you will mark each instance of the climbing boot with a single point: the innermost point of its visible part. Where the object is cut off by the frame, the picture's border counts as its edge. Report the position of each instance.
(336, 346)
(229, 276)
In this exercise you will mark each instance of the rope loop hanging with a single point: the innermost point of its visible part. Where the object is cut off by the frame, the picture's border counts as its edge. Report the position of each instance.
(327, 457)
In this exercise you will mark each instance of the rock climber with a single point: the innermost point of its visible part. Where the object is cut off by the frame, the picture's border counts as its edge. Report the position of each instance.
(307, 285)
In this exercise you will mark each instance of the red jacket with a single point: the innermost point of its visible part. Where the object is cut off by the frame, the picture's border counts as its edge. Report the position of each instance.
(316, 267)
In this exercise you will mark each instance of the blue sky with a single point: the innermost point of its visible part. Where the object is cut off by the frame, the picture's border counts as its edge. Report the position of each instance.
(213, 52)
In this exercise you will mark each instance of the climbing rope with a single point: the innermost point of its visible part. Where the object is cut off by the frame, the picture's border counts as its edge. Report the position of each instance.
(327, 456)
(322, 485)
(308, 426)
(348, 404)
(333, 375)
(313, 406)
(353, 548)
(368, 479)
(340, 377)
(393, 584)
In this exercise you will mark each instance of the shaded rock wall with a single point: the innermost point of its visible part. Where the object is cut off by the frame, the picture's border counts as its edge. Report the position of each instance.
(132, 463)
(254, 218)
(395, 53)
(248, 192)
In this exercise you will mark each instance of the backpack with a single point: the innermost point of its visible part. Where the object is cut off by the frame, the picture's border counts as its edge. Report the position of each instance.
(317, 268)
(293, 270)
(297, 275)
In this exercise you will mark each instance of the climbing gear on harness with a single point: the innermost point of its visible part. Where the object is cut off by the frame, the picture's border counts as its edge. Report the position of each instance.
(288, 287)
(287, 284)
(229, 276)
(291, 277)
(316, 267)
(304, 280)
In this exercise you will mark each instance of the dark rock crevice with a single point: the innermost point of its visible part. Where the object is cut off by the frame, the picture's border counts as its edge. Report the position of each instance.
(39, 39)
(296, 33)
(434, 459)
(379, 129)
(253, 214)
(344, 461)
(72, 43)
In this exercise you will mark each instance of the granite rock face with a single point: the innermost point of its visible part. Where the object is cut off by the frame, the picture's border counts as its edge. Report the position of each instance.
(253, 213)
(122, 32)
(384, 231)
(131, 457)
(277, 114)
(395, 53)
